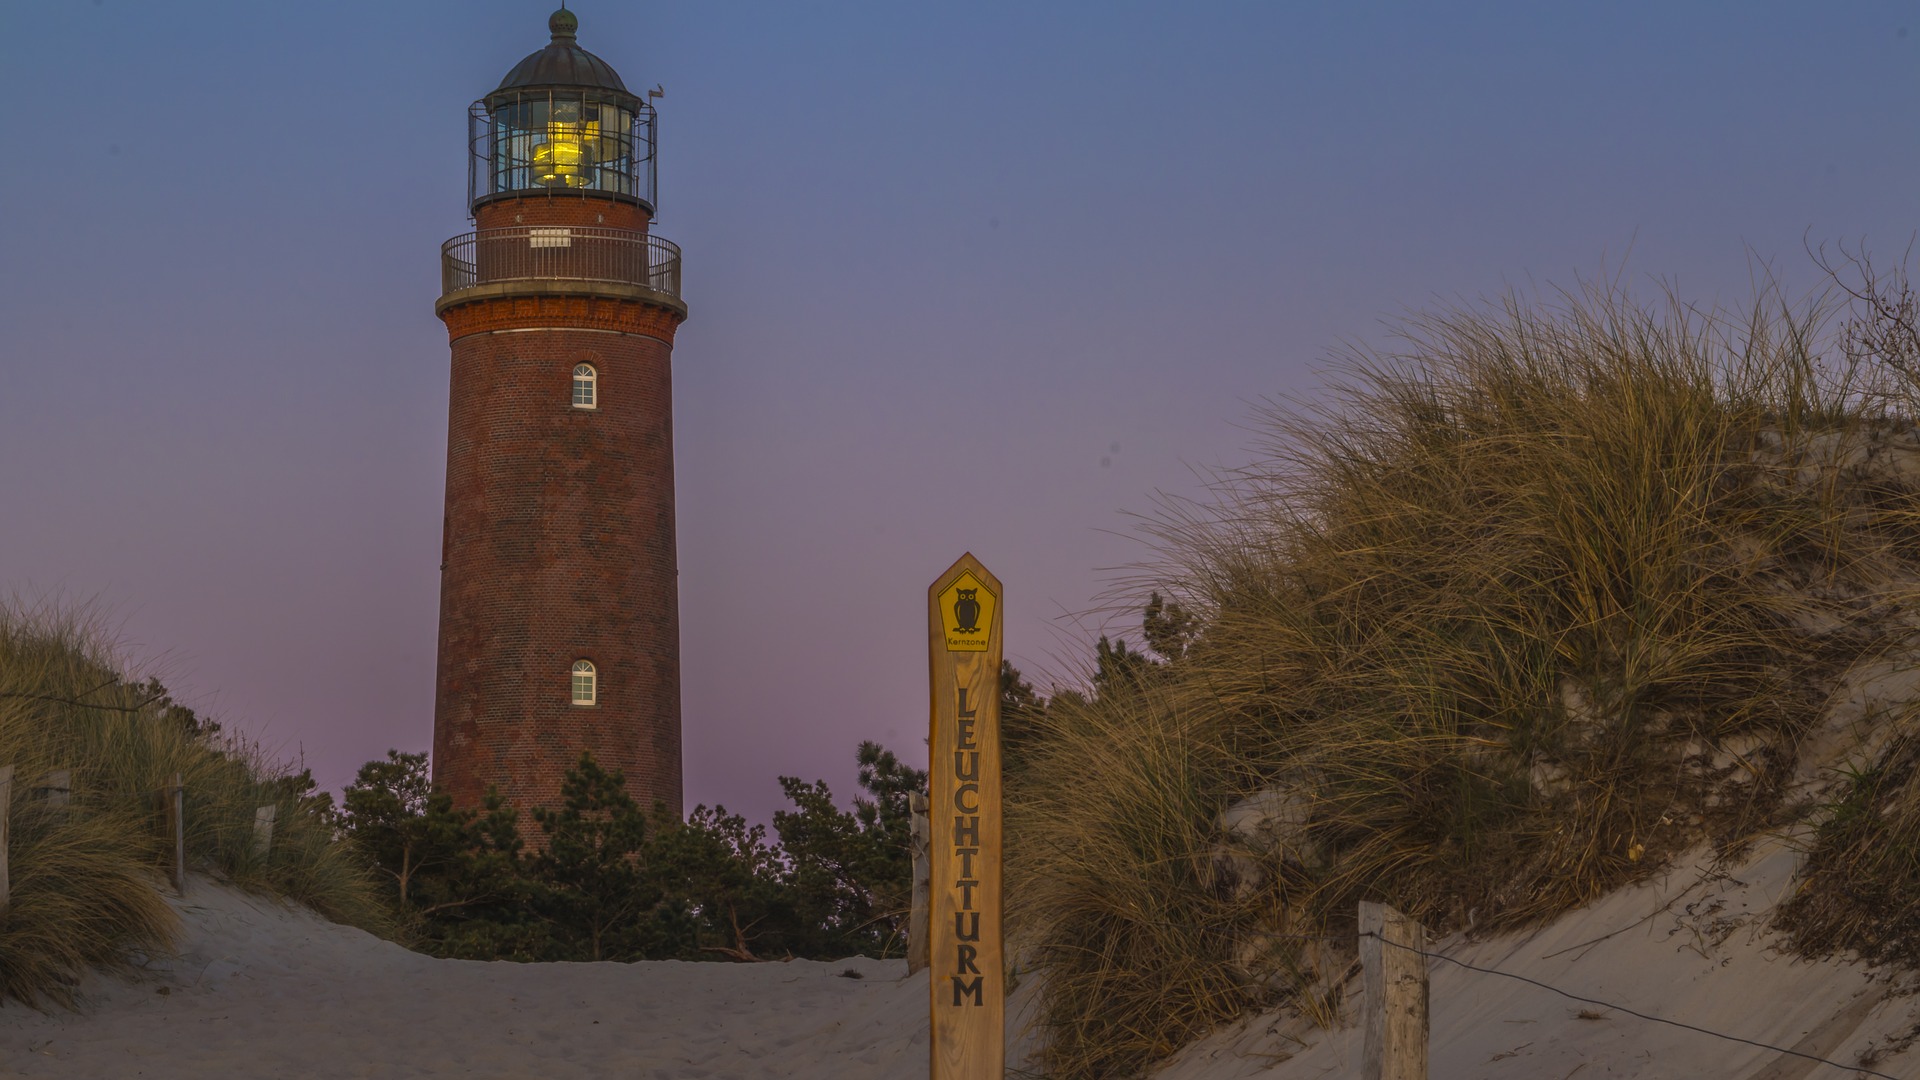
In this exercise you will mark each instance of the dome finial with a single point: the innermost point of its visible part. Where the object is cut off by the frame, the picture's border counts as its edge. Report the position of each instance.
(564, 25)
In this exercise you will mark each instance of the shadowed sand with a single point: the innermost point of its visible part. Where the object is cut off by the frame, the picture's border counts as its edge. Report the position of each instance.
(265, 990)
(1690, 945)
(269, 991)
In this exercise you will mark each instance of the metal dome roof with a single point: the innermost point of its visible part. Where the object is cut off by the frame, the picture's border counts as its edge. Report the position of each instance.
(564, 63)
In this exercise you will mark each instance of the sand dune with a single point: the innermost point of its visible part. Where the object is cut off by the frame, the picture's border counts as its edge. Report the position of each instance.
(264, 990)
(1690, 946)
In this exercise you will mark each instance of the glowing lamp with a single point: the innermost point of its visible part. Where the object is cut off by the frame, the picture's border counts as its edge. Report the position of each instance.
(560, 161)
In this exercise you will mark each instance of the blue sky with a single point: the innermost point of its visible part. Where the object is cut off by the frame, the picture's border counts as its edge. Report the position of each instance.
(984, 276)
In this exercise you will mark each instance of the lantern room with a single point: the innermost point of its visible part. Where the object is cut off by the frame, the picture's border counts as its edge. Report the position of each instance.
(561, 123)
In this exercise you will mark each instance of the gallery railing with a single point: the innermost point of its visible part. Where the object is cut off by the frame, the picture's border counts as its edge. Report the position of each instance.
(559, 253)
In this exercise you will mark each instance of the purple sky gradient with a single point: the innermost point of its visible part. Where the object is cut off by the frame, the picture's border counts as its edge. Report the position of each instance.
(986, 277)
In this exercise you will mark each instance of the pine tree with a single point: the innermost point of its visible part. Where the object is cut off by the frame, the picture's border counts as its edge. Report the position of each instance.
(593, 888)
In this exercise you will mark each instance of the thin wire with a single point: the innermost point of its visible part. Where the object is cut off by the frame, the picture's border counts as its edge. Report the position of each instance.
(1862, 1070)
(1859, 1069)
(57, 700)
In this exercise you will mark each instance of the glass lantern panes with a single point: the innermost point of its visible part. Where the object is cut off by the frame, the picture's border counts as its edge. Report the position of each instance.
(556, 140)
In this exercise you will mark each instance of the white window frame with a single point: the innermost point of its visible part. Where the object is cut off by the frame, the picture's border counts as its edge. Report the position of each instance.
(584, 669)
(592, 381)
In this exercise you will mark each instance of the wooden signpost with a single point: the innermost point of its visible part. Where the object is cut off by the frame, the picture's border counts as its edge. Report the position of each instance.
(966, 970)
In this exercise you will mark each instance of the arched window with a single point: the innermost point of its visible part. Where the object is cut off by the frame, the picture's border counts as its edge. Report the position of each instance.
(585, 387)
(586, 687)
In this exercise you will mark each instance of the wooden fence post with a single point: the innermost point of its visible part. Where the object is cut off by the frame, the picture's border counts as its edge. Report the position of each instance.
(263, 830)
(57, 788)
(177, 828)
(921, 846)
(6, 804)
(1394, 994)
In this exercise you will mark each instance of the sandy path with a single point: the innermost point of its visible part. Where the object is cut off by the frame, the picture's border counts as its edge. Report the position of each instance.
(265, 991)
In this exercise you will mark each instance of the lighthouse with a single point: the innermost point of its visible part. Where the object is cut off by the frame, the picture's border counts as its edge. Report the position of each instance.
(559, 609)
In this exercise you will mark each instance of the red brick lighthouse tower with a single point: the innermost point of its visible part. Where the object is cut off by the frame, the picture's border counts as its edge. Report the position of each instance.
(559, 611)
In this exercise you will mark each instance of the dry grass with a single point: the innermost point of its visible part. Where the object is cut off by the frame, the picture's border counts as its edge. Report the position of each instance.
(1139, 952)
(86, 877)
(1860, 889)
(1488, 621)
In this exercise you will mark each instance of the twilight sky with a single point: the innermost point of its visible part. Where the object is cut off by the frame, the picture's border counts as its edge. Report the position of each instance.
(979, 276)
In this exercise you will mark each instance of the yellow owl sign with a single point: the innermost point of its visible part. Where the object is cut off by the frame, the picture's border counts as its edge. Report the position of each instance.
(966, 961)
(966, 608)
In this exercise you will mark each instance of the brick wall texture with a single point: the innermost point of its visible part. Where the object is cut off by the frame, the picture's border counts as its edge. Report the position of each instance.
(561, 208)
(558, 544)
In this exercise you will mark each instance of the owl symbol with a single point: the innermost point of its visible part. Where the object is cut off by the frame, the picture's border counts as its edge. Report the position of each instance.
(966, 612)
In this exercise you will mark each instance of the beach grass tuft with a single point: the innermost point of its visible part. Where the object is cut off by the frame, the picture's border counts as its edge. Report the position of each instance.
(1860, 890)
(1507, 619)
(87, 861)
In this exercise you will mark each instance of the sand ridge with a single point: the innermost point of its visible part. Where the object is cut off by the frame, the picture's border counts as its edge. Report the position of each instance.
(261, 989)
(1690, 945)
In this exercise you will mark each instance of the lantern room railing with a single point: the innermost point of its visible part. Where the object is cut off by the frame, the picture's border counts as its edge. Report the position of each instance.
(559, 253)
